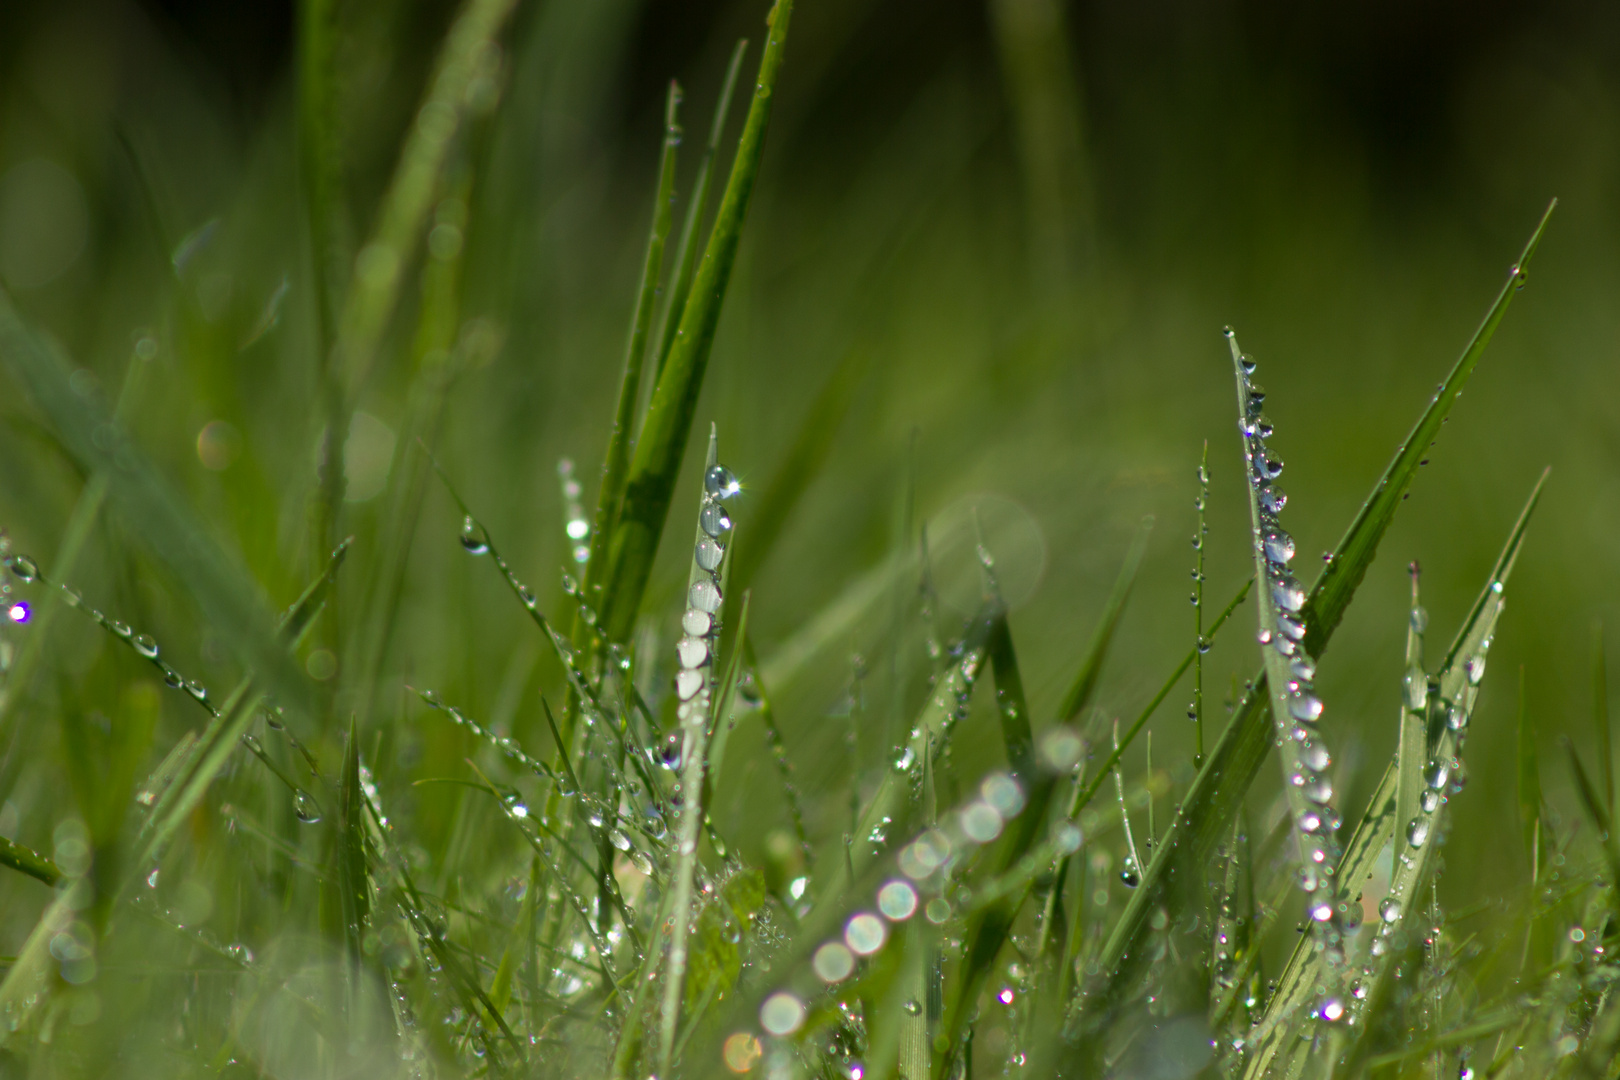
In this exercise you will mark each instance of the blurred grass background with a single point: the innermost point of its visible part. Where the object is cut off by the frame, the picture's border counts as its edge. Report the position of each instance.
(1029, 219)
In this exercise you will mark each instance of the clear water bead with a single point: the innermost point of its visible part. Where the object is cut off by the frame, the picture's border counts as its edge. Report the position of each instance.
(708, 554)
(693, 652)
(688, 683)
(715, 521)
(1390, 909)
(1417, 831)
(704, 596)
(719, 483)
(696, 623)
(146, 646)
(472, 537)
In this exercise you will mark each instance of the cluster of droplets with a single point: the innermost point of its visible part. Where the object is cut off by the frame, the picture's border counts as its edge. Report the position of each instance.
(1305, 756)
(575, 523)
(1195, 708)
(700, 622)
(925, 884)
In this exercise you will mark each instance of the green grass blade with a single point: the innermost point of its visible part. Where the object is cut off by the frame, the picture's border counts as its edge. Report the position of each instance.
(617, 461)
(1600, 718)
(1085, 680)
(1529, 776)
(1412, 752)
(1331, 594)
(1011, 707)
(353, 885)
(380, 265)
(686, 249)
(662, 442)
(799, 468)
(1220, 786)
(155, 512)
(1416, 850)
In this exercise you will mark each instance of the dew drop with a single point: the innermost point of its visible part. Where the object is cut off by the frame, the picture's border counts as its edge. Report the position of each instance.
(197, 690)
(24, 568)
(708, 554)
(1417, 831)
(473, 538)
(146, 646)
(696, 623)
(912, 1007)
(693, 652)
(687, 684)
(1130, 875)
(704, 596)
(1390, 909)
(1429, 801)
(719, 483)
(305, 807)
(715, 521)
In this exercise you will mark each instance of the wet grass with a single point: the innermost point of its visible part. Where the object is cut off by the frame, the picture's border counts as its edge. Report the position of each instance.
(334, 869)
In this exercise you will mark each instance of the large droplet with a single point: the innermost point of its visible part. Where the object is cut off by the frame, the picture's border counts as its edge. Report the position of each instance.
(146, 646)
(1417, 831)
(688, 683)
(1314, 756)
(696, 623)
(1130, 875)
(24, 568)
(1279, 547)
(1390, 909)
(719, 483)
(715, 521)
(1437, 774)
(1288, 593)
(1273, 499)
(1305, 707)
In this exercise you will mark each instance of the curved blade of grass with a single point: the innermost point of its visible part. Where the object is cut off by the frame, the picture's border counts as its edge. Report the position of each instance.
(1085, 680)
(1382, 823)
(617, 461)
(1218, 790)
(662, 442)
(686, 248)
(28, 861)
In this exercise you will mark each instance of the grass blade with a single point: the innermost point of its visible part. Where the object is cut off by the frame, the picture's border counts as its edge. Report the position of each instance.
(617, 461)
(28, 861)
(686, 249)
(662, 442)
(1452, 707)
(1218, 790)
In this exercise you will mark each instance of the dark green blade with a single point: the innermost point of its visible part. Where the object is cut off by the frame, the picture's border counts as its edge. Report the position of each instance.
(662, 442)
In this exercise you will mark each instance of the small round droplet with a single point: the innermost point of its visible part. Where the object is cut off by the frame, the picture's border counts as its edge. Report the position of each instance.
(1130, 875)
(473, 538)
(24, 568)
(912, 1006)
(1390, 909)
(1436, 775)
(897, 901)
(833, 962)
(1429, 801)
(708, 554)
(696, 623)
(704, 596)
(865, 934)
(146, 646)
(782, 1014)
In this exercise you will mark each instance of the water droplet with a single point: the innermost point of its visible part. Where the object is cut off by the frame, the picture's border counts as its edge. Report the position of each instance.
(1390, 909)
(865, 934)
(1456, 719)
(197, 690)
(704, 596)
(1303, 669)
(1273, 499)
(1475, 668)
(473, 538)
(146, 646)
(24, 568)
(306, 808)
(172, 679)
(1288, 593)
(1332, 1009)
(1417, 831)
(1279, 547)
(708, 554)
(1305, 707)
(1129, 874)
(696, 623)
(240, 953)
(1415, 686)
(693, 652)
(121, 629)
(1437, 774)
(1420, 620)
(833, 962)
(1203, 644)
(715, 521)
(912, 1007)
(897, 900)
(1429, 801)
(1314, 756)
(782, 1014)
(904, 759)
(688, 683)
(1246, 363)
(719, 483)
